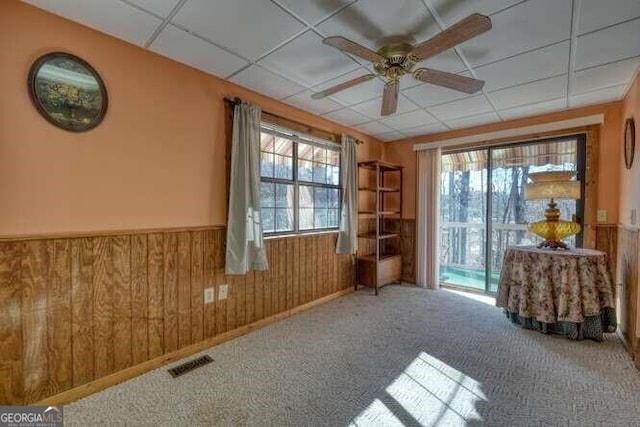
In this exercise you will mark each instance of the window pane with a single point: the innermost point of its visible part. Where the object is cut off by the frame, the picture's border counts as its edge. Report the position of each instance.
(283, 167)
(319, 155)
(306, 218)
(268, 220)
(305, 196)
(334, 218)
(284, 195)
(319, 172)
(267, 194)
(334, 198)
(333, 157)
(305, 151)
(320, 220)
(305, 171)
(320, 198)
(333, 175)
(266, 142)
(283, 146)
(266, 165)
(284, 220)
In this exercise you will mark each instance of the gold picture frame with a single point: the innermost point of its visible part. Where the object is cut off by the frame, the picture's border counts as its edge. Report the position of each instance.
(629, 142)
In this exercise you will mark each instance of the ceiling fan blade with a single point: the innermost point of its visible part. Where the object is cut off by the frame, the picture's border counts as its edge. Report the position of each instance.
(462, 31)
(342, 86)
(353, 48)
(390, 98)
(452, 81)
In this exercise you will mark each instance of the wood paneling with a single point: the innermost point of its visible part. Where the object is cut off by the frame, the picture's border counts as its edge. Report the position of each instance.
(627, 249)
(78, 309)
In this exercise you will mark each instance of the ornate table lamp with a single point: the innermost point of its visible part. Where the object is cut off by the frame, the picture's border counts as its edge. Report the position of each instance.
(553, 185)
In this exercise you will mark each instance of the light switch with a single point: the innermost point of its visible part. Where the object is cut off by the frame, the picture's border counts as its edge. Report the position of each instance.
(602, 215)
(222, 292)
(633, 217)
(209, 295)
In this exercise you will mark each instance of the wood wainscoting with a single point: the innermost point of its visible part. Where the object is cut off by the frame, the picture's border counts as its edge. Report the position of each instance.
(627, 249)
(77, 309)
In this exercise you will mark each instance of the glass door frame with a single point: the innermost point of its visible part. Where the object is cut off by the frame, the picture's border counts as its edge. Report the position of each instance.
(581, 163)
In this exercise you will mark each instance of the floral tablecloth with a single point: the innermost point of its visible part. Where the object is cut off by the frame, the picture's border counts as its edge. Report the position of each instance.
(567, 292)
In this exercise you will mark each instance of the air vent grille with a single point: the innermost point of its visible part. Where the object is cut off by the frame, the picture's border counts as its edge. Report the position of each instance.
(190, 366)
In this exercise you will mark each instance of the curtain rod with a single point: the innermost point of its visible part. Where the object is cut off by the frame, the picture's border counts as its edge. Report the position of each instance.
(235, 101)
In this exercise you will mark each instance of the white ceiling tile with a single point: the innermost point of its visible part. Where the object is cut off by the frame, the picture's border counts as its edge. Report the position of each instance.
(319, 106)
(368, 22)
(372, 107)
(478, 119)
(534, 109)
(445, 61)
(408, 120)
(347, 117)
(112, 17)
(597, 96)
(427, 95)
(374, 128)
(159, 7)
(453, 11)
(312, 11)
(596, 14)
(247, 27)
(539, 64)
(542, 90)
(266, 82)
(604, 76)
(526, 26)
(391, 136)
(465, 107)
(362, 92)
(425, 129)
(608, 45)
(309, 61)
(177, 44)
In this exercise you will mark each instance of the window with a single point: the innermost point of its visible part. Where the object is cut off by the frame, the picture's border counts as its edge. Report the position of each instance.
(300, 183)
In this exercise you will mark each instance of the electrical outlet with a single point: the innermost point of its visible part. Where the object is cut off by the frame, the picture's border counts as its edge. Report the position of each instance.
(602, 215)
(209, 295)
(633, 218)
(222, 292)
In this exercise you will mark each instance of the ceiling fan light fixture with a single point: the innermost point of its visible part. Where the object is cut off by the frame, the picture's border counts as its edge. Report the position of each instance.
(398, 57)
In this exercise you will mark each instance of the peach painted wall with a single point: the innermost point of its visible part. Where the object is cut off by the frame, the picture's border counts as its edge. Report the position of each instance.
(610, 148)
(630, 178)
(158, 158)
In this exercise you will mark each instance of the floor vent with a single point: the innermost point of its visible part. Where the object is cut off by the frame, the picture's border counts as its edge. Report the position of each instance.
(190, 366)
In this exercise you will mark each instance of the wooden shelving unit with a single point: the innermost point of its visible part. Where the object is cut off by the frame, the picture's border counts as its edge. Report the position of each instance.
(381, 265)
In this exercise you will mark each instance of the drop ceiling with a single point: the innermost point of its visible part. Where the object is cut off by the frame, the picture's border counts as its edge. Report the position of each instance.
(541, 55)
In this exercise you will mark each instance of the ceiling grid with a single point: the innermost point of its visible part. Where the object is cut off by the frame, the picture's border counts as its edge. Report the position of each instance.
(540, 56)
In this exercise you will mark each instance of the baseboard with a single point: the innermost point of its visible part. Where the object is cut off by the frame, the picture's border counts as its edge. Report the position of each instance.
(100, 384)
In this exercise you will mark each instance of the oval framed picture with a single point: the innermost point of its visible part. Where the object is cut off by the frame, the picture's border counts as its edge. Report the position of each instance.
(629, 142)
(67, 91)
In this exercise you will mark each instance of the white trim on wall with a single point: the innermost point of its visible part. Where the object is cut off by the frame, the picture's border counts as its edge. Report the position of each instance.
(515, 132)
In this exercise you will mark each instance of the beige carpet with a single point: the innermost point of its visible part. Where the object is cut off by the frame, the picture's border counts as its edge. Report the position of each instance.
(407, 357)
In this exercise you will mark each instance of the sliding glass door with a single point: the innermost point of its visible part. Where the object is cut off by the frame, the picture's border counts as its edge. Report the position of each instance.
(478, 224)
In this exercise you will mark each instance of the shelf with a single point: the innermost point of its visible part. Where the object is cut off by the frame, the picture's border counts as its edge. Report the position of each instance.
(382, 235)
(372, 258)
(384, 166)
(380, 189)
(379, 213)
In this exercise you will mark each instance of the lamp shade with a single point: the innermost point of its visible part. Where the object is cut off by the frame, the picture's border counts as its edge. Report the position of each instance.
(552, 190)
(552, 185)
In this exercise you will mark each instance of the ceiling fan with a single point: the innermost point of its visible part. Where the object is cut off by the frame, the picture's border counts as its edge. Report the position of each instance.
(398, 58)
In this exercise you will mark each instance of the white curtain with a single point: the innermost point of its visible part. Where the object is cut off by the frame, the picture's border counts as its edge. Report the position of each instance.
(245, 246)
(428, 238)
(348, 236)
